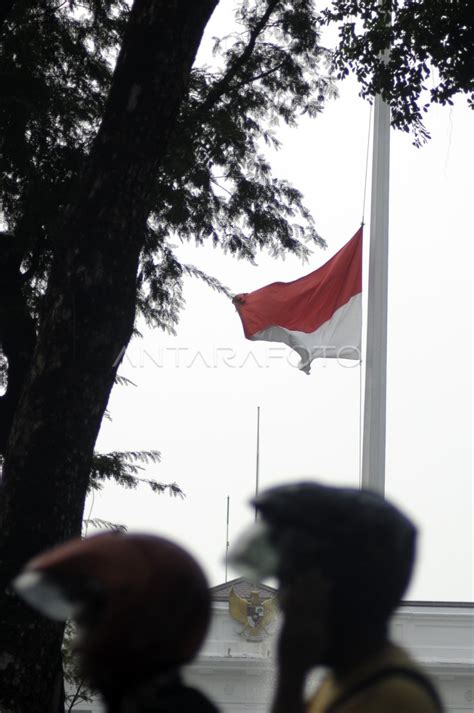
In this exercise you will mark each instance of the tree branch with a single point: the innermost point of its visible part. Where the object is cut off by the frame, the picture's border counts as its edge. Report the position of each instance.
(224, 84)
(256, 77)
(5, 11)
(78, 696)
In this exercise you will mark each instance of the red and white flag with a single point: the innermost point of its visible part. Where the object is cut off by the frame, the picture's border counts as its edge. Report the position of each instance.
(319, 315)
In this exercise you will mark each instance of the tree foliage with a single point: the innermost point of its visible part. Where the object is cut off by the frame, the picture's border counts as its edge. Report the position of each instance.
(125, 468)
(215, 185)
(76, 688)
(430, 47)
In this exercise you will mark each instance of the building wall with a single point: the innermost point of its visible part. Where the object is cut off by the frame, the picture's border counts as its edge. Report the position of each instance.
(239, 675)
(442, 639)
(236, 674)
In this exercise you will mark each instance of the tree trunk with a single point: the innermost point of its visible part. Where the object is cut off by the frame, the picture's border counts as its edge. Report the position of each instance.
(17, 331)
(88, 319)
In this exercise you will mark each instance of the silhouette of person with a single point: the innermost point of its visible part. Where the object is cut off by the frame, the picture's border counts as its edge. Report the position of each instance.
(142, 607)
(343, 559)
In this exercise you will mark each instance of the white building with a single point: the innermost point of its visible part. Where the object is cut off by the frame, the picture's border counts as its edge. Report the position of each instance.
(238, 673)
(236, 666)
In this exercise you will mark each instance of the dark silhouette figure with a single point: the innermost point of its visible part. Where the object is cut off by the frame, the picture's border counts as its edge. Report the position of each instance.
(343, 559)
(142, 607)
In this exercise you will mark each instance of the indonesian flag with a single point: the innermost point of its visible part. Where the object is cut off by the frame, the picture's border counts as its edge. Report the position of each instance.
(319, 315)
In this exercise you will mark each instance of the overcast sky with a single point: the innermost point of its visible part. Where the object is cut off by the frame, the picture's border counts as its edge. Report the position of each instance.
(197, 393)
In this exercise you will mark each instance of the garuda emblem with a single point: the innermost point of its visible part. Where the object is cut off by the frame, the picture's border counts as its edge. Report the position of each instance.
(254, 613)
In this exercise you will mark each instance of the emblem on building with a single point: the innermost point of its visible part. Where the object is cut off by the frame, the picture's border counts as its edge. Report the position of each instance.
(254, 613)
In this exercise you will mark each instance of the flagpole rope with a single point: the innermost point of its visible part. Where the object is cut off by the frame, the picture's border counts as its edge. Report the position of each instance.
(366, 165)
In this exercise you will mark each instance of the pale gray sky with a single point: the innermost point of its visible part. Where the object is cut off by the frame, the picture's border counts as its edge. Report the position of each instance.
(197, 393)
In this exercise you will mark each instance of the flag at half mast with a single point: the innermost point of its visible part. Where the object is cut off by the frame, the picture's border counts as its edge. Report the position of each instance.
(318, 315)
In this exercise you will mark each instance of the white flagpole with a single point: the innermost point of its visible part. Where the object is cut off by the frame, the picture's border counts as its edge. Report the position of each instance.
(257, 461)
(227, 538)
(373, 453)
